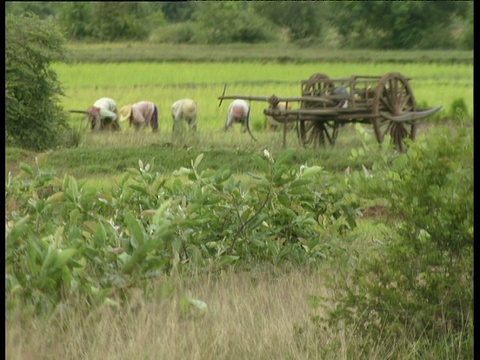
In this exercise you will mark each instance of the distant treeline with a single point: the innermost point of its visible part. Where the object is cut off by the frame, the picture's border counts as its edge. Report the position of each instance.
(346, 24)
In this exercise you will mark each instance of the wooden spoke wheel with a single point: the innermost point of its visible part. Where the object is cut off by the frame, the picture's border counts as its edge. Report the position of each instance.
(317, 133)
(317, 85)
(394, 95)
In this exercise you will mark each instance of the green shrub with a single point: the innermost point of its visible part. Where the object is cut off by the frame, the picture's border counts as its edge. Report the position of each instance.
(179, 33)
(420, 281)
(34, 118)
(66, 242)
(227, 22)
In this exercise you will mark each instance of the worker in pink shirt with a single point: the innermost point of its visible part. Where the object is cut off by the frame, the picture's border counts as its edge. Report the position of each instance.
(140, 115)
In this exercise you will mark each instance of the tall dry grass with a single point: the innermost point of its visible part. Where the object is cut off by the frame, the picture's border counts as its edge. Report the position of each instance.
(254, 314)
(250, 315)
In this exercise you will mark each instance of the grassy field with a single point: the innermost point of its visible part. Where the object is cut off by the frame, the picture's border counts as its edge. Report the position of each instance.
(259, 311)
(164, 83)
(276, 52)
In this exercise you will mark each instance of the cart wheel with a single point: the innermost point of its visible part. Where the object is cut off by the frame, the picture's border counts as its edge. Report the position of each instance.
(316, 85)
(317, 133)
(394, 95)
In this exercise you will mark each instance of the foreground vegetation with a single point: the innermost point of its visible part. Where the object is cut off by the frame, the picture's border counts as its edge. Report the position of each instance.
(80, 259)
(222, 247)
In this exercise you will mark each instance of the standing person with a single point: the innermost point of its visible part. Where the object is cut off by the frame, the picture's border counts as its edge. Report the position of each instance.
(140, 115)
(104, 115)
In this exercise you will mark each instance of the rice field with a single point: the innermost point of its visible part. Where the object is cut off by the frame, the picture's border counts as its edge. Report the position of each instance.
(165, 82)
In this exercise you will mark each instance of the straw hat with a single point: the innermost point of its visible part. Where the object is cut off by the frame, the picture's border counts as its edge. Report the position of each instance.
(125, 112)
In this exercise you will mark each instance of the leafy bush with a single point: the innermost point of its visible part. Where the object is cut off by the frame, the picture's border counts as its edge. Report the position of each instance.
(67, 243)
(420, 281)
(227, 22)
(179, 33)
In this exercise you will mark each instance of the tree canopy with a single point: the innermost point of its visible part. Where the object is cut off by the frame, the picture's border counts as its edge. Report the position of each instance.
(398, 24)
(354, 24)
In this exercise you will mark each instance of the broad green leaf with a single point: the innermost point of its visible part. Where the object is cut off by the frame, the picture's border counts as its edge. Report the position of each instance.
(285, 156)
(33, 252)
(277, 176)
(159, 217)
(299, 182)
(312, 170)
(74, 215)
(182, 171)
(198, 160)
(49, 260)
(148, 212)
(284, 199)
(123, 179)
(66, 182)
(312, 242)
(272, 247)
(299, 190)
(18, 229)
(101, 233)
(228, 259)
(55, 198)
(256, 176)
(139, 189)
(27, 168)
(73, 187)
(63, 256)
(310, 221)
(257, 242)
(262, 163)
(90, 226)
(135, 228)
(111, 303)
(133, 171)
(257, 221)
(131, 262)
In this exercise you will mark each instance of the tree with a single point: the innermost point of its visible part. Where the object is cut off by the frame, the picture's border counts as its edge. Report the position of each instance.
(76, 18)
(467, 36)
(303, 19)
(232, 21)
(397, 24)
(119, 20)
(34, 118)
(178, 11)
(43, 9)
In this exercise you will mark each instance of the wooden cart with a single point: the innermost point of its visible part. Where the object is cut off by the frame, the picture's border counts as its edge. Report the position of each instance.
(387, 102)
